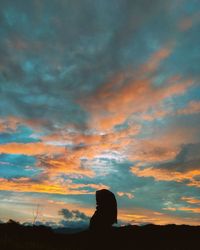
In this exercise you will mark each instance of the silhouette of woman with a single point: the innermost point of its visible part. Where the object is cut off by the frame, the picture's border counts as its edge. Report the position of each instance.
(106, 211)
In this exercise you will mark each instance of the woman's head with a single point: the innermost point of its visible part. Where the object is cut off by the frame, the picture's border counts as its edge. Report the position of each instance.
(107, 203)
(105, 197)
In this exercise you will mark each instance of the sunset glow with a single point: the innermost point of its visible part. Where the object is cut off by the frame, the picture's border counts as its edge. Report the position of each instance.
(93, 96)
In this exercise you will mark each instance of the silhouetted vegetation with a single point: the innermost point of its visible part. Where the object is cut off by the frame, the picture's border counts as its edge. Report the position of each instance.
(170, 237)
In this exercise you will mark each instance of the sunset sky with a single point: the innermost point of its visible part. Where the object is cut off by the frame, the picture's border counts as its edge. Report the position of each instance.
(100, 94)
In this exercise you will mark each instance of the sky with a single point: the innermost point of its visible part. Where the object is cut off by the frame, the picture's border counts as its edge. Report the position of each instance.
(100, 94)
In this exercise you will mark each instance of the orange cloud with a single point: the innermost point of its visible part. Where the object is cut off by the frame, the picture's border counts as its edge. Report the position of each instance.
(142, 215)
(12, 122)
(9, 123)
(192, 108)
(156, 114)
(94, 140)
(55, 159)
(122, 141)
(64, 165)
(170, 208)
(154, 61)
(47, 186)
(86, 148)
(149, 151)
(190, 200)
(185, 24)
(168, 175)
(188, 22)
(127, 194)
(133, 92)
(125, 91)
(164, 145)
(190, 209)
(187, 209)
(36, 148)
(177, 135)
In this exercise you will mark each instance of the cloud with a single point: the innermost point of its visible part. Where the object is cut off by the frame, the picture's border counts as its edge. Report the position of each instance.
(190, 200)
(184, 168)
(145, 216)
(54, 166)
(25, 184)
(73, 214)
(127, 194)
(188, 22)
(12, 124)
(147, 151)
(50, 68)
(114, 93)
(168, 175)
(74, 218)
(83, 152)
(133, 93)
(190, 209)
(37, 148)
(185, 24)
(193, 107)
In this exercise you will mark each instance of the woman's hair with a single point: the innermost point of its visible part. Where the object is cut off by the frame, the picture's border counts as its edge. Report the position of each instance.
(106, 210)
(107, 203)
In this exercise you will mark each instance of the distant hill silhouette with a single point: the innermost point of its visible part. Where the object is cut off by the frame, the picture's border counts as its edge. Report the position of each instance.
(170, 237)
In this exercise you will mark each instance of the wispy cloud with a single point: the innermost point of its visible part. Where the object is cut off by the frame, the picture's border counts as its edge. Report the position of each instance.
(25, 184)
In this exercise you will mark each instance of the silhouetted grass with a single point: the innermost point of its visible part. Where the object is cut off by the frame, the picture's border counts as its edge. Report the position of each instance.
(170, 237)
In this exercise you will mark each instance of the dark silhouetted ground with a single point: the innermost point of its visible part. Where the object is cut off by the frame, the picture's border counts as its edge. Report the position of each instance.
(170, 237)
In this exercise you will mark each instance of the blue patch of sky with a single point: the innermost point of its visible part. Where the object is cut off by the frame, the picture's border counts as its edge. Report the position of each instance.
(184, 121)
(189, 7)
(23, 134)
(185, 57)
(159, 195)
(13, 17)
(150, 128)
(181, 101)
(148, 39)
(15, 166)
(28, 66)
(160, 79)
(59, 197)
(112, 179)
